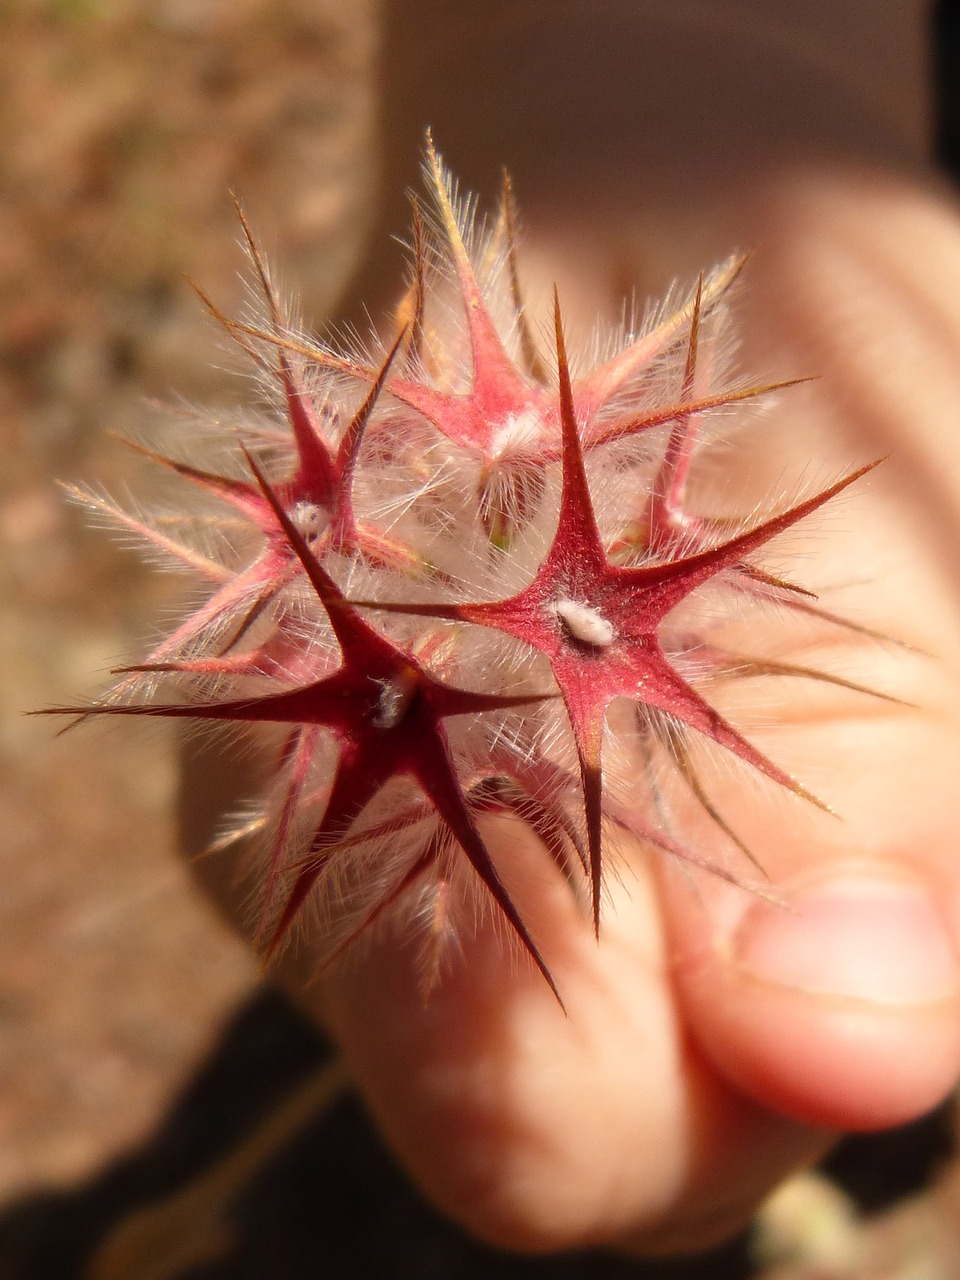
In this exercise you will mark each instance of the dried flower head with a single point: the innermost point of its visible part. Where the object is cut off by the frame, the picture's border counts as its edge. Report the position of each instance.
(441, 566)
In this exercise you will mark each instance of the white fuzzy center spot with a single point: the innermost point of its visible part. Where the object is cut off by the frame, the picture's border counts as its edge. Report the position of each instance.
(395, 697)
(309, 519)
(586, 624)
(517, 433)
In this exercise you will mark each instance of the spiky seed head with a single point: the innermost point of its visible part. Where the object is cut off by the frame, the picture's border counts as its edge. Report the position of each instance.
(438, 565)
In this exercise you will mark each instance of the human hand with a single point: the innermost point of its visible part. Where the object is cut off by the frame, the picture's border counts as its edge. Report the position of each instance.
(713, 1042)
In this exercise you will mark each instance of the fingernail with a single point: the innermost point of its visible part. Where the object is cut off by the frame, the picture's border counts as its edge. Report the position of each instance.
(872, 939)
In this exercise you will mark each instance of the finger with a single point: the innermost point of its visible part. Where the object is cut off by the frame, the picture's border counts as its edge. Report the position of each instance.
(540, 1130)
(841, 1007)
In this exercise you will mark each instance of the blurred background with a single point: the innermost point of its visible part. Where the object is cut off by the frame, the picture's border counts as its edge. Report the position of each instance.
(123, 127)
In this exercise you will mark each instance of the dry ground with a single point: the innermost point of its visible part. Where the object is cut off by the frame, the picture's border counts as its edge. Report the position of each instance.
(123, 126)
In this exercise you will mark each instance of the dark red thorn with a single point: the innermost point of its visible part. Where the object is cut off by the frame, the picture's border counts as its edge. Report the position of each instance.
(344, 533)
(410, 312)
(534, 365)
(670, 484)
(236, 492)
(671, 736)
(315, 454)
(857, 628)
(296, 754)
(692, 571)
(345, 622)
(604, 382)
(350, 442)
(352, 789)
(495, 376)
(737, 666)
(79, 716)
(677, 698)
(277, 708)
(591, 777)
(683, 410)
(452, 807)
(577, 520)
(237, 331)
(445, 612)
(553, 827)
(774, 581)
(251, 617)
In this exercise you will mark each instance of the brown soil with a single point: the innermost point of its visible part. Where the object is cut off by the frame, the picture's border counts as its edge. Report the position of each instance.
(123, 128)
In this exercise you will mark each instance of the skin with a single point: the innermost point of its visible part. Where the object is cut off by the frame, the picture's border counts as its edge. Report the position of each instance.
(713, 1042)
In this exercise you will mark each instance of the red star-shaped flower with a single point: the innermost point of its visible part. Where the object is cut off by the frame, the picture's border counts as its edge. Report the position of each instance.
(597, 623)
(506, 419)
(387, 714)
